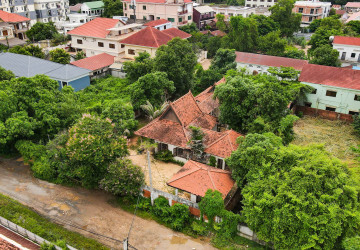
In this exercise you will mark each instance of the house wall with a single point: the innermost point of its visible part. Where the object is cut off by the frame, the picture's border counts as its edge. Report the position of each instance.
(20, 7)
(91, 12)
(234, 11)
(137, 50)
(253, 67)
(91, 48)
(77, 84)
(6, 31)
(163, 26)
(51, 10)
(311, 11)
(178, 14)
(260, 3)
(343, 102)
(348, 51)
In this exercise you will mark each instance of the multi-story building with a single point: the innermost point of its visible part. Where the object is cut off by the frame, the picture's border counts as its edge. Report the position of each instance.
(352, 7)
(203, 15)
(23, 8)
(13, 25)
(178, 12)
(75, 20)
(94, 9)
(311, 10)
(260, 3)
(348, 47)
(51, 10)
(101, 35)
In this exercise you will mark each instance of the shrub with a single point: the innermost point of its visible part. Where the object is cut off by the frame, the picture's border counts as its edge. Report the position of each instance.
(43, 169)
(351, 243)
(356, 123)
(228, 225)
(144, 204)
(179, 216)
(199, 228)
(161, 208)
(212, 161)
(211, 205)
(29, 150)
(164, 155)
(46, 246)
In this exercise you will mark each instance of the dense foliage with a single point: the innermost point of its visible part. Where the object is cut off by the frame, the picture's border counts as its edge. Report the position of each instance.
(112, 8)
(325, 55)
(30, 50)
(60, 56)
(211, 205)
(41, 31)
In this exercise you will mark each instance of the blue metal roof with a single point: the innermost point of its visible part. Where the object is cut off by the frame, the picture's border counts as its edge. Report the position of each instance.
(28, 66)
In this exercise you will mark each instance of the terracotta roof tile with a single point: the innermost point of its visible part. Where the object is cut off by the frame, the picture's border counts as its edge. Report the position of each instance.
(186, 109)
(196, 178)
(347, 40)
(95, 62)
(225, 145)
(174, 32)
(95, 28)
(12, 17)
(353, 5)
(76, 7)
(156, 22)
(272, 61)
(205, 99)
(331, 76)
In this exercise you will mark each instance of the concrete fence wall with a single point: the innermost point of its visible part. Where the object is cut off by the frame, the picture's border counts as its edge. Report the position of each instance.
(243, 230)
(331, 115)
(27, 234)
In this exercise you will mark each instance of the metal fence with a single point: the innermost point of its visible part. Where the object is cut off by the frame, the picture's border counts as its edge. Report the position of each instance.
(26, 233)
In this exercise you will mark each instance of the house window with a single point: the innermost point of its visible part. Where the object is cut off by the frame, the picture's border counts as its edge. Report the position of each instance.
(301, 10)
(171, 19)
(111, 46)
(144, 7)
(158, 18)
(144, 17)
(353, 55)
(331, 93)
(79, 41)
(162, 147)
(314, 91)
(64, 84)
(131, 52)
(122, 46)
(310, 19)
(5, 32)
(180, 19)
(312, 11)
(357, 98)
(100, 44)
(219, 163)
(179, 152)
(308, 104)
(189, 17)
(353, 112)
(330, 108)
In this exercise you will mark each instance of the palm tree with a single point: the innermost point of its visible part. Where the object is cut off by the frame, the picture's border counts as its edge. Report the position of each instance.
(153, 112)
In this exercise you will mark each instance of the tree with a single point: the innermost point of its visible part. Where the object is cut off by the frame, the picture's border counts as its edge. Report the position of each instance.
(332, 12)
(295, 197)
(142, 65)
(41, 31)
(6, 74)
(235, 2)
(351, 243)
(154, 87)
(293, 52)
(196, 142)
(211, 205)
(223, 60)
(243, 35)
(355, 26)
(123, 178)
(178, 60)
(112, 8)
(265, 24)
(80, 55)
(272, 44)
(314, 25)
(189, 28)
(214, 43)
(328, 27)
(325, 55)
(206, 78)
(60, 56)
(30, 50)
(282, 14)
(153, 112)
(221, 24)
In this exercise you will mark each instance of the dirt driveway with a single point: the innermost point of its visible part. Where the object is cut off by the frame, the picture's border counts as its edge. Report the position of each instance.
(88, 209)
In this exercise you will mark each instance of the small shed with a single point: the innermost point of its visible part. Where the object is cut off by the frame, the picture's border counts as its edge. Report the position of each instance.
(99, 65)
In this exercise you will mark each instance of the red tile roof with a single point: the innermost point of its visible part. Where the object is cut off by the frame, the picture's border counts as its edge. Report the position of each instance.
(340, 12)
(12, 17)
(155, 1)
(95, 62)
(95, 28)
(353, 5)
(174, 32)
(156, 22)
(151, 37)
(331, 76)
(196, 178)
(205, 99)
(76, 7)
(347, 40)
(225, 145)
(272, 61)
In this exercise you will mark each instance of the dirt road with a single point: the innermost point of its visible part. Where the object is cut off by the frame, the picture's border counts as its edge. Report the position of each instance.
(88, 209)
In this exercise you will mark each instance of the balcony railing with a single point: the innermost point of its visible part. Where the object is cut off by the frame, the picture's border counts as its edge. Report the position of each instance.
(183, 12)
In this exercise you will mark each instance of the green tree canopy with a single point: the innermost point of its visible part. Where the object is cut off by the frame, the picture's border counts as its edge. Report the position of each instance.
(6, 74)
(282, 14)
(80, 55)
(325, 55)
(112, 8)
(211, 205)
(272, 44)
(265, 24)
(41, 31)
(295, 197)
(142, 65)
(60, 56)
(328, 27)
(30, 50)
(243, 35)
(223, 60)
(178, 60)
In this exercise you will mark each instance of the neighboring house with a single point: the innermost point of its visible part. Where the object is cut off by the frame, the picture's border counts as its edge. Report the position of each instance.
(149, 40)
(348, 47)
(51, 10)
(196, 178)
(229, 11)
(352, 7)
(99, 65)
(95, 8)
(353, 17)
(75, 8)
(260, 3)
(75, 20)
(160, 24)
(335, 89)
(258, 63)
(23, 8)
(336, 7)
(172, 131)
(101, 35)
(178, 12)
(13, 28)
(311, 10)
(203, 15)
(343, 15)
(29, 66)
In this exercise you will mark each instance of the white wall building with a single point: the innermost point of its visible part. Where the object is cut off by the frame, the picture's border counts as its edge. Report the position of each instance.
(24, 8)
(51, 10)
(260, 3)
(95, 8)
(335, 89)
(75, 20)
(348, 47)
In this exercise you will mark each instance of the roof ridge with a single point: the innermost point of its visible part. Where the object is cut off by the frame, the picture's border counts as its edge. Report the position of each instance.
(209, 174)
(188, 173)
(221, 137)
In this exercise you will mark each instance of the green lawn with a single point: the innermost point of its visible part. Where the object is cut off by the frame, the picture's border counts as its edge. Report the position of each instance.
(30, 220)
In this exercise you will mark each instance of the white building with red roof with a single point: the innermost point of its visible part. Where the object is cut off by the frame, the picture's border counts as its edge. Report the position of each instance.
(101, 35)
(335, 89)
(351, 7)
(348, 47)
(149, 40)
(160, 24)
(177, 12)
(13, 26)
(258, 63)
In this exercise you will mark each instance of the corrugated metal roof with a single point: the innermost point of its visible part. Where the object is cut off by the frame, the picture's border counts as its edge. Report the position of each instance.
(29, 66)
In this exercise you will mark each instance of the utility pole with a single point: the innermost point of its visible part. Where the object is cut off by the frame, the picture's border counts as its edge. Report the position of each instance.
(150, 178)
(125, 244)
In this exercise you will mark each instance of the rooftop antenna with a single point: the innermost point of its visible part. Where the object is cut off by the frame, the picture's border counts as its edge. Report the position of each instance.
(133, 6)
